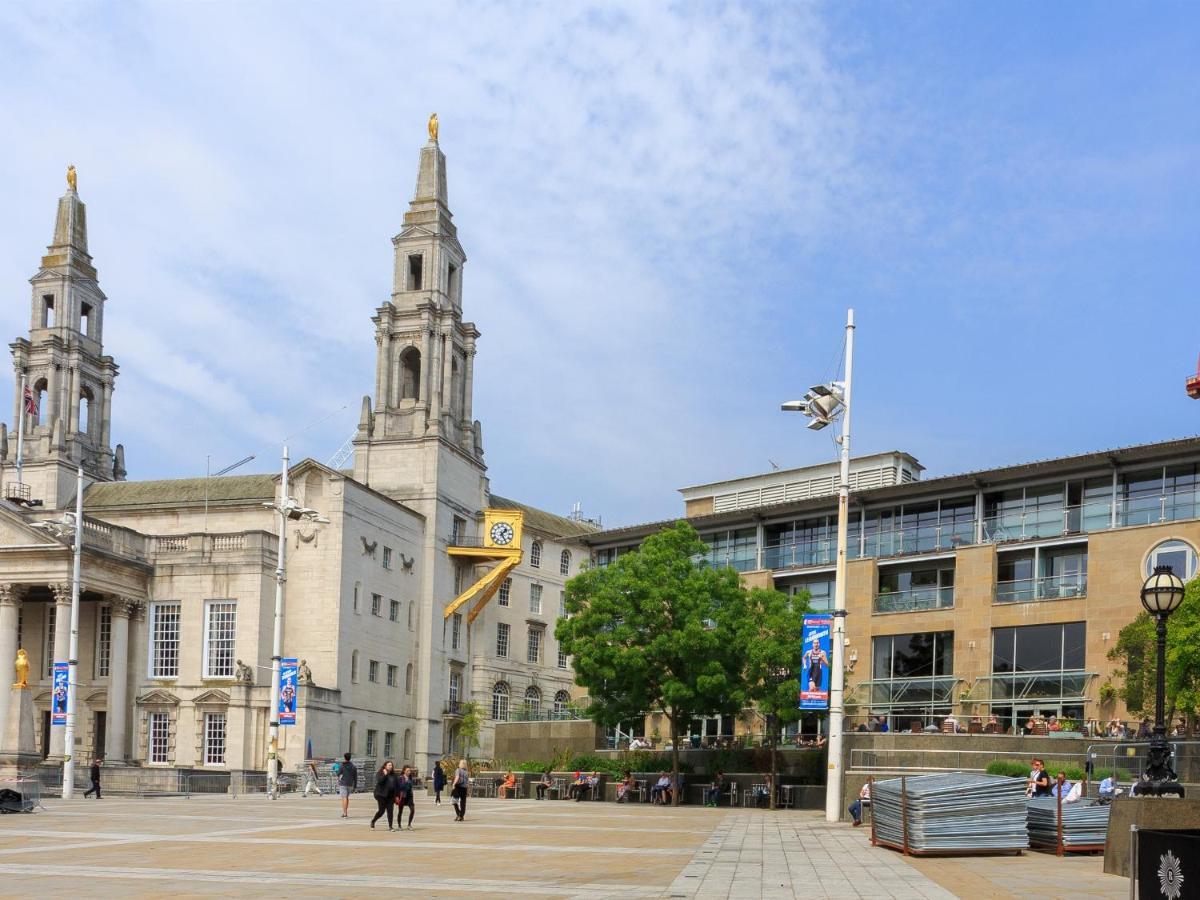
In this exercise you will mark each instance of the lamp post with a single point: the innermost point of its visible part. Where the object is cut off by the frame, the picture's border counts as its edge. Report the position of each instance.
(287, 508)
(73, 525)
(823, 404)
(1161, 595)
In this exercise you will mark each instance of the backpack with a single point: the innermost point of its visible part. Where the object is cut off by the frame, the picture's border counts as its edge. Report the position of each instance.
(337, 768)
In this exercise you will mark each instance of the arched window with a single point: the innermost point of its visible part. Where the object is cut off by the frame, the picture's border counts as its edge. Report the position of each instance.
(39, 393)
(407, 746)
(564, 563)
(408, 679)
(410, 374)
(533, 701)
(410, 615)
(561, 700)
(354, 667)
(85, 411)
(500, 701)
(535, 555)
(1179, 555)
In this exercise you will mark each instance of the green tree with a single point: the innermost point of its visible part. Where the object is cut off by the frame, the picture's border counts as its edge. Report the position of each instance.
(469, 726)
(1136, 651)
(652, 631)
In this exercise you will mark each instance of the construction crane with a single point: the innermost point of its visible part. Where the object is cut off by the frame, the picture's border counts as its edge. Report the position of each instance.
(1193, 383)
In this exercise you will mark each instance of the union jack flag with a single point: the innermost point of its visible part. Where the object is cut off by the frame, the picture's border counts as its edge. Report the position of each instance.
(31, 405)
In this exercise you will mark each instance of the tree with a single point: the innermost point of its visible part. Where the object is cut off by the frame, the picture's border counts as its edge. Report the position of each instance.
(652, 631)
(469, 726)
(768, 628)
(1136, 650)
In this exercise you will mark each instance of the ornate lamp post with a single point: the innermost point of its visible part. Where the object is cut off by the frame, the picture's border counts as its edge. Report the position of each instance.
(1161, 595)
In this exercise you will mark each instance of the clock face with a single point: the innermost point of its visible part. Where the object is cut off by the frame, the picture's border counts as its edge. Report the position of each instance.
(502, 533)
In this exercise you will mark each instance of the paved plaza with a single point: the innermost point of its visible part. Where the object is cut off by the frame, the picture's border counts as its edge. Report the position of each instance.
(250, 847)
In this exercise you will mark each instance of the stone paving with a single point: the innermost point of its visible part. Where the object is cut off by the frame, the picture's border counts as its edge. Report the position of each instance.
(253, 847)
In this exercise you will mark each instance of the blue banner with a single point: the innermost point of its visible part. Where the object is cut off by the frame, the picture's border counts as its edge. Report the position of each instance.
(814, 669)
(58, 702)
(288, 676)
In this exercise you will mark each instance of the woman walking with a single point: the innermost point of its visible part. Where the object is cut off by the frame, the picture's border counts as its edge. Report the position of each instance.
(458, 791)
(439, 783)
(385, 792)
(404, 797)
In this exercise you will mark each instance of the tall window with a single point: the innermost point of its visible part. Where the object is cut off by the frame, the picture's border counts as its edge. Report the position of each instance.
(220, 632)
(455, 686)
(564, 563)
(505, 589)
(357, 594)
(502, 639)
(500, 701)
(562, 700)
(408, 743)
(455, 631)
(1038, 668)
(535, 599)
(159, 734)
(377, 604)
(535, 555)
(562, 658)
(913, 675)
(408, 678)
(387, 557)
(458, 530)
(533, 701)
(410, 615)
(103, 640)
(389, 744)
(164, 640)
(410, 374)
(393, 676)
(562, 604)
(372, 734)
(214, 739)
(533, 652)
(373, 670)
(354, 667)
(394, 610)
(48, 639)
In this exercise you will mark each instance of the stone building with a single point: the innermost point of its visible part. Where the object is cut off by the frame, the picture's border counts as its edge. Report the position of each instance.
(178, 576)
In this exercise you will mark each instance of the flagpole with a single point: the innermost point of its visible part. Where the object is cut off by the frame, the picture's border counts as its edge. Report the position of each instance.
(21, 430)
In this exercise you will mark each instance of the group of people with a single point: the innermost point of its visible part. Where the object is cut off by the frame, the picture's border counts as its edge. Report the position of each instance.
(398, 789)
(663, 791)
(1039, 784)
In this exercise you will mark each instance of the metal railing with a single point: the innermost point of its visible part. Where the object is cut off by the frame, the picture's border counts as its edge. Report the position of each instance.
(147, 783)
(1048, 587)
(915, 600)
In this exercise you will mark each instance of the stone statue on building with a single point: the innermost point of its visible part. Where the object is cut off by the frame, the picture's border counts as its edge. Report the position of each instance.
(433, 127)
(244, 673)
(305, 672)
(22, 667)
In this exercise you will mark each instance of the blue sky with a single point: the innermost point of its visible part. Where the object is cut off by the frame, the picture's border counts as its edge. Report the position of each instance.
(666, 209)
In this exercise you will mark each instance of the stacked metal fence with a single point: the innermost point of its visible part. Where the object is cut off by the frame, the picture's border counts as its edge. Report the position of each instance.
(951, 813)
(1084, 824)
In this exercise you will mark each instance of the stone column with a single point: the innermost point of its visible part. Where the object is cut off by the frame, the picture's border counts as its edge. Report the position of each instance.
(105, 412)
(447, 382)
(380, 383)
(426, 359)
(123, 608)
(468, 384)
(62, 646)
(10, 608)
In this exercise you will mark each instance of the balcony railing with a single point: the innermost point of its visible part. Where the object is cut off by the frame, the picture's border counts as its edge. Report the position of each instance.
(800, 555)
(917, 539)
(1062, 685)
(453, 708)
(1048, 587)
(915, 600)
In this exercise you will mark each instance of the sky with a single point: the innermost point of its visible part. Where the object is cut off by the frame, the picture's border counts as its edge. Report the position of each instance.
(666, 208)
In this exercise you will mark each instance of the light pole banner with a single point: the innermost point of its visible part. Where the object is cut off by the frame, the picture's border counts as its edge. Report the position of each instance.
(288, 671)
(814, 671)
(58, 704)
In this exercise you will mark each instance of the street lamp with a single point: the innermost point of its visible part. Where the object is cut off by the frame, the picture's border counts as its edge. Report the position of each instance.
(824, 403)
(287, 508)
(70, 524)
(1161, 595)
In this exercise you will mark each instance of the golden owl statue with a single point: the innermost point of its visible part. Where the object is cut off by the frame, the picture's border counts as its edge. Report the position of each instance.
(22, 667)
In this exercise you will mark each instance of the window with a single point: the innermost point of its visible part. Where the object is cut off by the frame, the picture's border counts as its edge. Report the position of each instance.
(533, 701)
(103, 640)
(458, 529)
(502, 639)
(408, 743)
(902, 589)
(1038, 648)
(535, 599)
(393, 676)
(415, 264)
(85, 318)
(535, 555)
(533, 652)
(220, 630)
(1179, 555)
(48, 639)
(452, 281)
(387, 557)
(820, 593)
(562, 658)
(913, 675)
(564, 563)
(455, 631)
(159, 728)
(164, 640)
(410, 374)
(377, 604)
(410, 615)
(214, 739)
(357, 594)
(353, 736)
(47, 310)
(394, 610)
(373, 670)
(354, 667)
(505, 590)
(455, 687)
(562, 700)
(1043, 573)
(1038, 669)
(500, 701)
(562, 604)
(408, 678)
(372, 734)
(389, 744)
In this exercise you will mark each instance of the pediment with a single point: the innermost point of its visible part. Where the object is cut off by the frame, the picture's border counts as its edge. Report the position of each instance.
(212, 698)
(15, 531)
(158, 697)
(96, 697)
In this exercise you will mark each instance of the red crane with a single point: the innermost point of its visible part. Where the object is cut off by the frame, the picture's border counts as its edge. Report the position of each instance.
(1193, 384)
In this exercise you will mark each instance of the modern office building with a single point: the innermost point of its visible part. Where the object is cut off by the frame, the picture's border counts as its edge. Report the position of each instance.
(999, 592)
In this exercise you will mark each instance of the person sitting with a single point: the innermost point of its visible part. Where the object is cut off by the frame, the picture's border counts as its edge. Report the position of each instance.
(508, 784)
(625, 785)
(591, 785)
(660, 789)
(992, 726)
(577, 786)
(713, 794)
(856, 807)
(1031, 724)
(862, 726)
(639, 744)
(762, 793)
(1069, 791)
(949, 724)
(544, 784)
(1054, 724)
(1110, 787)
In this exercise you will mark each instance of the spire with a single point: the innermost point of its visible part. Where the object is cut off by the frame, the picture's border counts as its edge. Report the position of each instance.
(431, 176)
(69, 245)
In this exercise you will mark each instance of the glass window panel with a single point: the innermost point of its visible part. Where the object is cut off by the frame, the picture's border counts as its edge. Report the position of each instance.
(882, 656)
(1014, 566)
(1074, 643)
(1002, 649)
(1039, 647)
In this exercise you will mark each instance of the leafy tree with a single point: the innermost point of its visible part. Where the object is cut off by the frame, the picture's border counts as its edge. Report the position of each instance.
(652, 631)
(469, 726)
(1136, 650)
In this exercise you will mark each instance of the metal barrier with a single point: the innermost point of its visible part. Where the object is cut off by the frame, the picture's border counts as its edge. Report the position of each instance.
(19, 794)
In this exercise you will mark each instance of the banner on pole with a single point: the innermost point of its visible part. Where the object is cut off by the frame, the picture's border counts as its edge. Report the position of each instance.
(58, 703)
(288, 672)
(814, 670)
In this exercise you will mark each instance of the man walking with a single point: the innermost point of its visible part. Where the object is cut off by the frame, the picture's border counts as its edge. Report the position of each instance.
(458, 791)
(347, 782)
(95, 776)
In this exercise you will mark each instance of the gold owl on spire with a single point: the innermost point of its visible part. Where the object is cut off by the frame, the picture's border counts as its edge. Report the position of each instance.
(433, 127)
(71, 177)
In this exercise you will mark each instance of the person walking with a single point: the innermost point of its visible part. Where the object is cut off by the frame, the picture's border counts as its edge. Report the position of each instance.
(347, 781)
(439, 783)
(95, 776)
(458, 791)
(386, 785)
(312, 781)
(405, 788)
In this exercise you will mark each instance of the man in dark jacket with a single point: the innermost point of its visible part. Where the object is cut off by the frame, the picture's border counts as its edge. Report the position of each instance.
(347, 782)
(95, 776)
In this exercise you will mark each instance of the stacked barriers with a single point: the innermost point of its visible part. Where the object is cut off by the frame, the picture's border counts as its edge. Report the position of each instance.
(955, 813)
(1068, 827)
